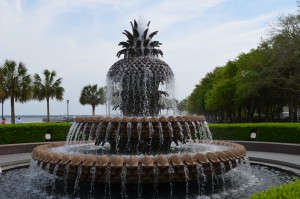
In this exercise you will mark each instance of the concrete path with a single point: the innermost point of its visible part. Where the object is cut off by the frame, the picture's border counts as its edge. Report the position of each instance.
(280, 160)
(11, 161)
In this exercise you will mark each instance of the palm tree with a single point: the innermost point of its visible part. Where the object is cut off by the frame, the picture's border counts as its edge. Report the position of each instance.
(47, 88)
(17, 84)
(93, 96)
(3, 93)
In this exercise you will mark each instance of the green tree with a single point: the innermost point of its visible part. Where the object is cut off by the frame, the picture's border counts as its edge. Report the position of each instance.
(285, 70)
(3, 93)
(220, 98)
(93, 96)
(17, 84)
(48, 88)
(196, 101)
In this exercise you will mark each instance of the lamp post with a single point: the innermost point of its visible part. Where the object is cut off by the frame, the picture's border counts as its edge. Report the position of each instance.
(68, 109)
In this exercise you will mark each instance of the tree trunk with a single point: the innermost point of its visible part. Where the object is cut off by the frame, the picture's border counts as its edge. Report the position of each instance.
(259, 114)
(48, 110)
(93, 110)
(12, 106)
(292, 109)
(239, 114)
(2, 108)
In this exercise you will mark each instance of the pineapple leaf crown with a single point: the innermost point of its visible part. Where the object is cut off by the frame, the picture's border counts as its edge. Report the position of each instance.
(139, 43)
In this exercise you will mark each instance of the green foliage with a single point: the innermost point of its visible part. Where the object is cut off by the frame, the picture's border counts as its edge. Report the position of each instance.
(287, 191)
(48, 88)
(32, 132)
(261, 81)
(16, 84)
(196, 101)
(93, 96)
(269, 132)
(222, 92)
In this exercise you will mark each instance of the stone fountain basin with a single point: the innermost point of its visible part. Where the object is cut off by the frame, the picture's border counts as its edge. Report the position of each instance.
(211, 161)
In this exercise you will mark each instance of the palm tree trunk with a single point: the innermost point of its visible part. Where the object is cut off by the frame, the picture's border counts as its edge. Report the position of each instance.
(93, 107)
(12, 106)
(48, 110)
(2, 108)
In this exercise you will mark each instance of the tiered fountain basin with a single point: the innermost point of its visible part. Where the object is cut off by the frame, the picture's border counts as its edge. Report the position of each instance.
(83, 160)
(127, 133)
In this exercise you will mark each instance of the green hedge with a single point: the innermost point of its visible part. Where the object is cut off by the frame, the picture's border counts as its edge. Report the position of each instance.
(287, 191)
(33, 132)
(269, 132)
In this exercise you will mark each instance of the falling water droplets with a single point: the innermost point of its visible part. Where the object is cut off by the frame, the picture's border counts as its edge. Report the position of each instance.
(160, 131)
(76, 186)
(128, 130)
(123, 181)
(107, 131)
(171, 176)
(155, 183)
(187, 127)
(201, 178)
(117, 137)
(66, 173)
(53, 179)
(98, 133)
(140, 189)
(93, 176)
(187, 178)
(107, 181)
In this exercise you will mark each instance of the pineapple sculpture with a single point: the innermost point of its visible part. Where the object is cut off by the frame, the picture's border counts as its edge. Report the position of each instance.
(134, 81)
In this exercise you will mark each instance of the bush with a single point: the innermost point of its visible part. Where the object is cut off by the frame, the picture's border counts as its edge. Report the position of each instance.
(33, 132)
(269, 132)
(287, 191)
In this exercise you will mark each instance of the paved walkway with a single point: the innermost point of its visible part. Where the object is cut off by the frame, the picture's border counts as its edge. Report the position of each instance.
(276, 157)
(12, 160)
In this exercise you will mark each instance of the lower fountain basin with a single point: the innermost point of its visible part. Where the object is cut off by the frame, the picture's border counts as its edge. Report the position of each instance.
(241, 182)
(95, 167)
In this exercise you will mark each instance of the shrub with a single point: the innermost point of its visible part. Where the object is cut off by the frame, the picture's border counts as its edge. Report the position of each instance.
(269, 132)
(33, 132)
(287, 191)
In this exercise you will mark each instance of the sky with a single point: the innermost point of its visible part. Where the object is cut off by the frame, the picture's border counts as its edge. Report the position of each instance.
(79, 39)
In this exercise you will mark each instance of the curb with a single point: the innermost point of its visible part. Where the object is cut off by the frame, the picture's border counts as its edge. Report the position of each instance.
(281, 167)
(276, 162)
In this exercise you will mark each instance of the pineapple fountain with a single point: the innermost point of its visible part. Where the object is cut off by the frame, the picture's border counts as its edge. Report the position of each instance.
(140, 147)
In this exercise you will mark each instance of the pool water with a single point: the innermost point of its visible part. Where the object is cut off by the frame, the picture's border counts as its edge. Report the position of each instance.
(34, 183)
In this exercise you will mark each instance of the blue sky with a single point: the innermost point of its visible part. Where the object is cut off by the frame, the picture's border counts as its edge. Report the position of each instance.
(79, 38)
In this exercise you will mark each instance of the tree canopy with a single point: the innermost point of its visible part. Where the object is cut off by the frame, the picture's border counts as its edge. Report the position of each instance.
(92, 95)
(256, 85)
(16, 84)
(47, 88)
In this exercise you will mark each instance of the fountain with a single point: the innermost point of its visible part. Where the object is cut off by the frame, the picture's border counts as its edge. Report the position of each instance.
(139, 147)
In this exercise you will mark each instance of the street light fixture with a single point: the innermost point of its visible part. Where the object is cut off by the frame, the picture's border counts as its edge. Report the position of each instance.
(68, 109)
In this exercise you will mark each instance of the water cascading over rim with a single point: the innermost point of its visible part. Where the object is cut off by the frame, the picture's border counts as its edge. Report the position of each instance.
(79, 157)
(134, 82)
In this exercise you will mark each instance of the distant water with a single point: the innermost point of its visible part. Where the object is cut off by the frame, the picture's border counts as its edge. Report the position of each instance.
(39, 118)
(35, 118)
